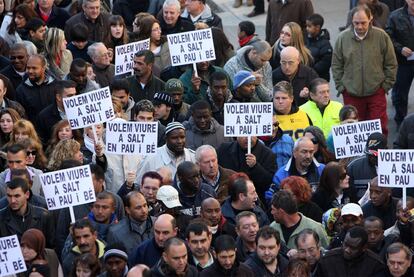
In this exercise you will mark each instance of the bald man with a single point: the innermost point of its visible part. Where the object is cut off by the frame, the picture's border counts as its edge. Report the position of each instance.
(301, 164)
(299, 75)
(150, 251)
(218, 225)
(382, 204)
(140, 270)
(38, 89)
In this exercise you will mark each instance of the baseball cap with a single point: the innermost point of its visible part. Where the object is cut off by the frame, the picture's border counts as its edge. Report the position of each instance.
(174, 85)
(168, 195)
(351, 209)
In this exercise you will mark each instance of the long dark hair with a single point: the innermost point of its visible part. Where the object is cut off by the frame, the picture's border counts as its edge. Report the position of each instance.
(323, 153)
(331, 177)
(145, 29)
(24, 10)
(109, 41)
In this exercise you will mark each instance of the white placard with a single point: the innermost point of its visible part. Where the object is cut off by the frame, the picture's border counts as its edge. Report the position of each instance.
(89, 108)
(191, 47)
(131, 138)
(396, 168)
(124, 55)
(11, 257)
(350, 139)
(248, 119)
(68, 187)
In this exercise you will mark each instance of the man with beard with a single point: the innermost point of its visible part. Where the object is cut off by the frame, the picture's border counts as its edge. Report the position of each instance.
(55, 112)
(180, 109)
(218, 93)
(16, 70)
(377, 242)
(144, 84)
(102, 214)
(266, 261)
(120, 90)
(86, 241)
(302, 164)
(190, 189)
(218, 224)
(352, 259)
(169, 155)
(174, 261)
(78, 74)
(101, 63)
(226, 263)
(38, 89)
(136, 227)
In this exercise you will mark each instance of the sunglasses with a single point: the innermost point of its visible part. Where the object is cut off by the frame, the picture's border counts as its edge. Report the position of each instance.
(33, 153)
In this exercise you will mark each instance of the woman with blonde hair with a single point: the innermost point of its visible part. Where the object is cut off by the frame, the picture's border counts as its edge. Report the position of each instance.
(65, 149)
(23, 129)
(291, 35)
(35, 156)
(58, 57)
(8, 117)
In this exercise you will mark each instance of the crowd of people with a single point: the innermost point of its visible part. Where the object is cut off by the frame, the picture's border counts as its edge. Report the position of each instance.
(206, 204)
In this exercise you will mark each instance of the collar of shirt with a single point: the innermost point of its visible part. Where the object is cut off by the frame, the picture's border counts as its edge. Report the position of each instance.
(361, 37)
(62, 114)
(213, 183)
(210, 261)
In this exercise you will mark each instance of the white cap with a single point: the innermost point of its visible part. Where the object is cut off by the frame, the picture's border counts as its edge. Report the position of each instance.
(168, 195)
(351, 209)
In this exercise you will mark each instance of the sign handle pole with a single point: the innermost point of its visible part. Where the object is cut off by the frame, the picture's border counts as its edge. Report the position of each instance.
(249, 145)
(195, 69)
(95, 136)
(404, 197)
(72, 214)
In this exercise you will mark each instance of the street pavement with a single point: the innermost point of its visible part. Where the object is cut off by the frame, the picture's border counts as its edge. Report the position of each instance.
(334, 13)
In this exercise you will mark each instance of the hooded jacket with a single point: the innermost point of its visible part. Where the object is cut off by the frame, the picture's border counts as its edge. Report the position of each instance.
(207, 16)
(321, 50)
(264, 91)
(194, 137)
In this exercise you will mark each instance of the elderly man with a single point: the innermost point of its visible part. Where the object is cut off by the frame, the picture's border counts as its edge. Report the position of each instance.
(102, 66)
(323, 111)
(144, 84)
(259, 164)
(255, 58)
(171, 154)
(399, 259)
(299, 75)
(170, 21)
(308, 247)
(92, 17)
(38, 89)
(211, 173)
(365, 76)
(198, 11)
(301, 164)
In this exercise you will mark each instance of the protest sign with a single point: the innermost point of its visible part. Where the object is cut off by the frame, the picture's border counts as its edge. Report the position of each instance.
(191, 47)
(124, 55)
(89, 108)
(131, 138)
(11, 257)
(350, 139)
(248, 119)
(396, 169)
(68, 187)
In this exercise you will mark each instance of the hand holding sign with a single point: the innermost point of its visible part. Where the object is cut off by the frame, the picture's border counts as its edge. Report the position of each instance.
(11, 257)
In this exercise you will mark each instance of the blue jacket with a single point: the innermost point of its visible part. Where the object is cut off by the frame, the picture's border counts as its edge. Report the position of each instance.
(229, 214)
(147, 253)
(282, 146)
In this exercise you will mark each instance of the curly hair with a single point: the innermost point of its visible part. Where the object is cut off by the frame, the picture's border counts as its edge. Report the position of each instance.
(299, 187)
(64, 150)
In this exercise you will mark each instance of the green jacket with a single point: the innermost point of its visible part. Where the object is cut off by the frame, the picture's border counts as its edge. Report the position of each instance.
(305, 223)
(325, 121)
(363, 66)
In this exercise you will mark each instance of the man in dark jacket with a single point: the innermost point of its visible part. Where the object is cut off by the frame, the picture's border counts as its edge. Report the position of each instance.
(401, 31)
(19, 216)
(352, 259)
(202, 128)
(399, 258)
(170, 20)
(405, 134)
(198, 11)
(102, 66)
(134, 228)
(52, 15)
(92, 17)
(15, 71)
(299, 75)
(267, 261)
(226, 263)
(55, 112)
(143, 84)
(190, 189)
(174, 261)
(243, 197)
(6, 102)
(37, 90)
(259, 165)
(382, 204)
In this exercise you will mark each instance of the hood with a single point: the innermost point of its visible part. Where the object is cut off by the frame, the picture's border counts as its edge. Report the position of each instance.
(240, 55)
(100, 245)
(190, 125)
(324, 34)
(48, 79)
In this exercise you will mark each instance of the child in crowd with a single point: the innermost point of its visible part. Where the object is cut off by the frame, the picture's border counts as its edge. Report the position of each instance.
(317, 40)
(80, 43)
(246, 33)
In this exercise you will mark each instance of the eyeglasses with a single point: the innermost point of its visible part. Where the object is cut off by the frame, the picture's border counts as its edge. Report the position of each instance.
(33, 153)
(285, 34)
